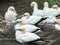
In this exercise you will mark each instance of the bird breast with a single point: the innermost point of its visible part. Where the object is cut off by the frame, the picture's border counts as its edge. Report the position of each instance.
(26, 37)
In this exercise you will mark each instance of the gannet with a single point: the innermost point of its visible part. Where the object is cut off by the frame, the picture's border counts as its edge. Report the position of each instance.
(27, 19)
(22, 36)
(29, 28)
(10, 15)
(36, 11)
(57, 8)
(33, 20)
(51, 11)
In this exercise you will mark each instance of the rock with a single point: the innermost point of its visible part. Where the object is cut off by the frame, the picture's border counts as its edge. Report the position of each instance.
(8, 31)
(1, 18)
(50, 32)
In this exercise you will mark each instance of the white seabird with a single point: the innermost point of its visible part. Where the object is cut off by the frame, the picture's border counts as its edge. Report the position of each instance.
(33, 20)
(29, 28)
(50, 19)
(22, 36)
(11, 14)
(51, 11)
(36, 11)
(46, 6)
(27, 19)
(57, 8)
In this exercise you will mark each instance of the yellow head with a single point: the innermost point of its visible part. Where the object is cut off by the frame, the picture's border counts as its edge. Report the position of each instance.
(33, 4)
(19, 20)
(55, 6)
(46, 4)
(58, 21)
(23, 29)
(27, 14)
(11, 8)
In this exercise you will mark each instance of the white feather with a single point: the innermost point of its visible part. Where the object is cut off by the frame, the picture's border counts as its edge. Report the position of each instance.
(50, 19)
(57, 27)
(10, 16)
(51, 12)
(26, 37)
(24, 19)
(29, 28)
(37, 12)
(33, 20)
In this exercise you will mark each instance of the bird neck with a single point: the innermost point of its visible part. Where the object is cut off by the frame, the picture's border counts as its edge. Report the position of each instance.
(24, 31)
(35, 8)
(9, 10)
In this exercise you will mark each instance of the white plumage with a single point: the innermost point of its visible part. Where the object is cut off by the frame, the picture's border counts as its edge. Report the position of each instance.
(36, 11)
(11, 14)
(57, 10)
(25, 17)
(57, 27)
(29, 28)
(24, 37)
(51, 12)
(50, 19)
(33, 20)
